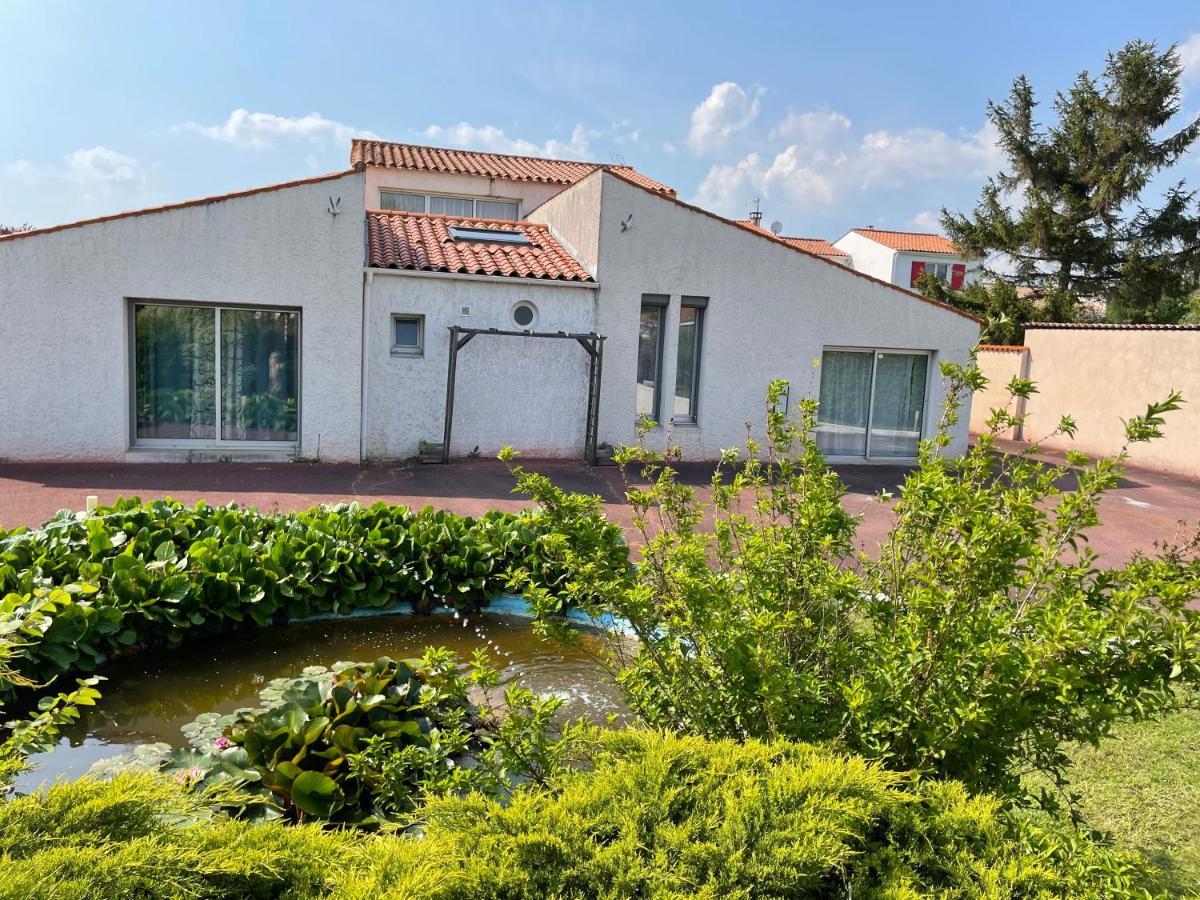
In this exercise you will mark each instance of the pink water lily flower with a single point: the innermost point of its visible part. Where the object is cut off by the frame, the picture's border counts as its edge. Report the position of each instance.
(222, 742)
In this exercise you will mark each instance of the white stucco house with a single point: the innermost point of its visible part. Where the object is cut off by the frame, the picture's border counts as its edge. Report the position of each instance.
(315, 319)
(901, 257)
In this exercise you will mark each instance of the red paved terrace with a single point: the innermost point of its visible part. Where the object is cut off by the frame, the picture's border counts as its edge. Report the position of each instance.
(1147, 507)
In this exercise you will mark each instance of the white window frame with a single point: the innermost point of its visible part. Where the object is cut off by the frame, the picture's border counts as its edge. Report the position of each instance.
(217, 443)
(406, 349)
(472, 198)
(875, 353)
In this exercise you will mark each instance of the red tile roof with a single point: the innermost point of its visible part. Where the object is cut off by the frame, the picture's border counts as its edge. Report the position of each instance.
(1111, 326)
(1004, 348)
(819, 246)
(909, 241)
(489, 165)
(423, 243)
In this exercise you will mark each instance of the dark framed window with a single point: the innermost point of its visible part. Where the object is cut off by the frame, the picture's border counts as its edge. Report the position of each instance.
(215, 375)
(872, 402)
(687, 359)
(651, 331)
(408, 335)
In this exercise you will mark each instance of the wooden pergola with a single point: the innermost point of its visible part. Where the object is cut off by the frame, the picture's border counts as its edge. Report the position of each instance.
(591, 342)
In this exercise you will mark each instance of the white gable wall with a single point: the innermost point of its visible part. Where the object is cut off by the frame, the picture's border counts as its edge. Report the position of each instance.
(64, 313)
(869, 257)
(530, 393)
(772, 310)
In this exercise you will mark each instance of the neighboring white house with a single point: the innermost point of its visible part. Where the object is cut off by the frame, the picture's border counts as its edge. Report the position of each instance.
(313, 319)
(901, 257)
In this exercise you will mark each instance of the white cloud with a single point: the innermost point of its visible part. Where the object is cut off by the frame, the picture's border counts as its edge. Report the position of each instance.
(100, 168)
(493, 139)
(729, 189)
(809, 128)
(825, 163)
(1189, 56)
(24, 170)
(259, 130)
(96, 171)
(926, 220)
(726, 110)
(893, 159)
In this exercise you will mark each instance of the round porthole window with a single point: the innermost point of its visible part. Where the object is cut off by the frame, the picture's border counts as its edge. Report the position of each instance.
(524, 314)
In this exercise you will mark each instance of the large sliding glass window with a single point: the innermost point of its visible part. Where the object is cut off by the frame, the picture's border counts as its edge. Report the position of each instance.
(872, 403)
(899, 404)
(687, 359)
(197, 367)
(649, 360)
(845, 402)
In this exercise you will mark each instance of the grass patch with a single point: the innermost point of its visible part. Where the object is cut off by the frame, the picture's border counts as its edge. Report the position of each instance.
(1143, 786)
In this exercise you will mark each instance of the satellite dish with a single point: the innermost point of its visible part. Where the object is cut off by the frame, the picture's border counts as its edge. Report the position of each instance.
(776, 227)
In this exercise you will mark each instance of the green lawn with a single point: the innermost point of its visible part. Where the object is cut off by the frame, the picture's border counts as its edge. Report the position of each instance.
(1143, 786)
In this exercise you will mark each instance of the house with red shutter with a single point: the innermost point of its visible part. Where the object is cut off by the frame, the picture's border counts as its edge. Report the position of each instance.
(900, 257)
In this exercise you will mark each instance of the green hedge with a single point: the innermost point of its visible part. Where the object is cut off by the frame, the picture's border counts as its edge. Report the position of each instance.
(133, 575)
(657, 817)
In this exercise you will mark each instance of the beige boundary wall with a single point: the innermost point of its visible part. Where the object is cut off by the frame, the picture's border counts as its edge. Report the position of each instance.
(1099, 375)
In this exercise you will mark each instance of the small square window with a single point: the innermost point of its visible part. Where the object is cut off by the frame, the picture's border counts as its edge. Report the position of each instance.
(408, 335)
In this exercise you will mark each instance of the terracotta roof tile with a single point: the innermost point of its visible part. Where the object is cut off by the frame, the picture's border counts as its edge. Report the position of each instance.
(909, 241)
(819, 246)
(490, 165)
(1111, 326)
(423, 243)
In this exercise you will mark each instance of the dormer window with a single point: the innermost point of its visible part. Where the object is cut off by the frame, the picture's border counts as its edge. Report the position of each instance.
(446, 205)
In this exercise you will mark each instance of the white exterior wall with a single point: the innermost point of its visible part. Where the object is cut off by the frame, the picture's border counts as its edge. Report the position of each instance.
(530, 393)
(772, 310)
(530, 194)
(869, 257)
(65, 380)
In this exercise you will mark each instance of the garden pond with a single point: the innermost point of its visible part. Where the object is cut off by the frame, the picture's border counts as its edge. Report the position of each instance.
(147, 699)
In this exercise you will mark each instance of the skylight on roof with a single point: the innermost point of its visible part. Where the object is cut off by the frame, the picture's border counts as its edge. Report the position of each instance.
(488, 235)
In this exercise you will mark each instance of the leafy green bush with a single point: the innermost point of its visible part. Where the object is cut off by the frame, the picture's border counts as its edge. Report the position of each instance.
(359, 743)
(980, 641)
(87, 587)
(656, 817)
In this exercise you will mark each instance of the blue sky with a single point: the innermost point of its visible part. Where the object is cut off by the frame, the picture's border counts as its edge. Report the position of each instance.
(836, 115)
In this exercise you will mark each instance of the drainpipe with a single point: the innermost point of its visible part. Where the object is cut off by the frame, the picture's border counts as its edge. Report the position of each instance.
(364, 369)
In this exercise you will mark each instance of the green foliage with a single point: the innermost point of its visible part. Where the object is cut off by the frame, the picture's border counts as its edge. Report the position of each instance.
(980, 641)
(88, 587)
(1068, 210)
(1004, 312)
(360, 743)
(655, 817)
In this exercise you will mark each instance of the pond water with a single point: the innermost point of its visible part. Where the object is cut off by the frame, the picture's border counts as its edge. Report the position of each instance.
(147, 699)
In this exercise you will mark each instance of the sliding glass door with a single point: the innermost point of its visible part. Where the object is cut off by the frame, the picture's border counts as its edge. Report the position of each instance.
(214, 376)
(872, 403)
(898, 407)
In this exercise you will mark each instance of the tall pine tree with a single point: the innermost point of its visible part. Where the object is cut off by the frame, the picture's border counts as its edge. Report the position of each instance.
(1068, 212)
